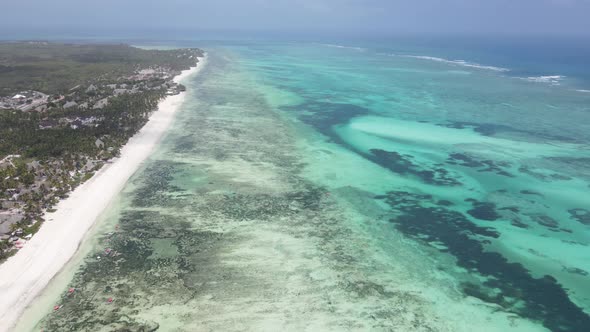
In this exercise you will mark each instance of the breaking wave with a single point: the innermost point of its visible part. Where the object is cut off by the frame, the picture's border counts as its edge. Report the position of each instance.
(550, 79)
(346, 47)
(462, 63)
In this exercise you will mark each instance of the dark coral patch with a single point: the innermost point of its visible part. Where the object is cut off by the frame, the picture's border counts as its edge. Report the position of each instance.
(323, 116)
(531, 192)
(404, 165)
(545, 220)
(516, 222)
(484, 211)
(128, 266)
(482, 165)
(575, 270)
(514, 209)
(491, 129)
(444, 202)
(581, 215)
(420, 215)
(509, 284)
(577, 162)
(542, 176)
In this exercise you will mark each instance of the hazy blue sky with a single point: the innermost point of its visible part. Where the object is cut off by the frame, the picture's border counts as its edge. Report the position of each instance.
(323, 16)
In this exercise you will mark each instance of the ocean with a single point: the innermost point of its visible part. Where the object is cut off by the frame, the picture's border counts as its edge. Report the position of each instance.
(409, 185)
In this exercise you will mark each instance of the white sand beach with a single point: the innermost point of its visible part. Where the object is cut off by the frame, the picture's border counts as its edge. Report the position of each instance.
(26, 274)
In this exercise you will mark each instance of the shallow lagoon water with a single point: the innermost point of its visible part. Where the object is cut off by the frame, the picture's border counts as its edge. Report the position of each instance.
(310, 187)
(511, 178)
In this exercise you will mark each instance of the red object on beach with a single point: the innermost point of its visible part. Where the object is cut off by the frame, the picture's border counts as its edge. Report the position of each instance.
(71, 290)
(110, 300)
(56, 308)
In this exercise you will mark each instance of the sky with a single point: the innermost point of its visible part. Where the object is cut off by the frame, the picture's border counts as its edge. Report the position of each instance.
(371, 17)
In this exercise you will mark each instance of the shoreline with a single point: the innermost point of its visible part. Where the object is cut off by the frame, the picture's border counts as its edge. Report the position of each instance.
(24, 275)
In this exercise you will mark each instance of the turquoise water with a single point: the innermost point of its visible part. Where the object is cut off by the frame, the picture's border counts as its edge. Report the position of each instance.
(310, 186)
(487, 167)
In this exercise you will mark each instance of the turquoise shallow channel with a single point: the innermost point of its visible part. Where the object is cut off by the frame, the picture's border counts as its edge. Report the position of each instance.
(325, 187)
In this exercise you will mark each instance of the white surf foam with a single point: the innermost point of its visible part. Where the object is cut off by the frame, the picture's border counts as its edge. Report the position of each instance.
(346, 47)
(549, 79)
(462, 63)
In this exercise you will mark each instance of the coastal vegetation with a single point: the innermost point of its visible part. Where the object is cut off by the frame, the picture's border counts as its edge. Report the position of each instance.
(66, 110)
(55, 68)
